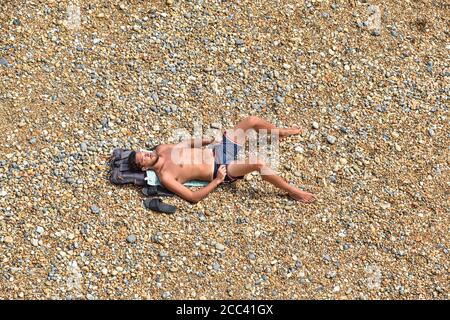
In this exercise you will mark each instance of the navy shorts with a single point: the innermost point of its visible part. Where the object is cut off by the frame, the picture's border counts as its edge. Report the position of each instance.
(224, 153)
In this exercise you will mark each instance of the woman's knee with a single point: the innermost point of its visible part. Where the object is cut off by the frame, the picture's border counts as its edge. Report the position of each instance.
(252, 120)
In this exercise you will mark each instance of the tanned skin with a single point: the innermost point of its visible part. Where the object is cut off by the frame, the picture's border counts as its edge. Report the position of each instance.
(189, 160)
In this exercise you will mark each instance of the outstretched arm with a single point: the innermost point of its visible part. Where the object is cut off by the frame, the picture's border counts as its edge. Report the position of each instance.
(193, 196)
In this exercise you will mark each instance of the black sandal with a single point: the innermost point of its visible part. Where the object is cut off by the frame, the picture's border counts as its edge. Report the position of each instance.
(157, 205)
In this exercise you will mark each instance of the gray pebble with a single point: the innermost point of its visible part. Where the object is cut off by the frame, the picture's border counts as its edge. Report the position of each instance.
(220, 247)
(344, 129)
(299, 149)
(331, 139)
(202, 217)
(239, 42)
(157, 238)
(331, 274)
(279, 99)
(131, 238)
(216, 266)
(4, 62)
(95, 209)
(40, 230)
(83, 147)
(376, 32)
(166, 295)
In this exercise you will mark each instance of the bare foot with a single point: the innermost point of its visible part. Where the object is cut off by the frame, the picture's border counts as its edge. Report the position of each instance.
(286, 132)
(303, 196)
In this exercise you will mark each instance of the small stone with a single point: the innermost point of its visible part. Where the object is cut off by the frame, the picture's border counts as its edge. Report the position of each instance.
(279, 99)
(83, 147)
(376, 32)
(331, 274)
(95, 209)
(239, 42)
(331, 139)
(315, 125)
(299, 149)
(3, 193)
(131, 238)
(344, 129)
(216, 266)
(40, 230)
(35, 242)
(166, 295)
(4, 62)
(220, 247)
(32, 141)
(216, 125)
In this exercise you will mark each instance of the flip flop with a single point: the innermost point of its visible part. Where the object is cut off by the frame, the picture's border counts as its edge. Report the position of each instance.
(156, 191)
(157, 205)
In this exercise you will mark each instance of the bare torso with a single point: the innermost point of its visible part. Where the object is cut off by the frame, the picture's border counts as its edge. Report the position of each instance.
(186, 164)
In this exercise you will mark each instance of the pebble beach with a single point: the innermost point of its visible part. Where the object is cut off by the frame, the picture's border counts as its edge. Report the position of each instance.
(368, 80)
